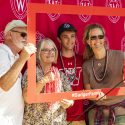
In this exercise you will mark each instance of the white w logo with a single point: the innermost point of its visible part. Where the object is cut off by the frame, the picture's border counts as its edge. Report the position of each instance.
(19, 8)
(20, 4)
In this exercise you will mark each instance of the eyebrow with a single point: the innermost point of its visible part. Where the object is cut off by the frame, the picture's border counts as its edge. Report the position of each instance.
(70, 34)
(48, 48)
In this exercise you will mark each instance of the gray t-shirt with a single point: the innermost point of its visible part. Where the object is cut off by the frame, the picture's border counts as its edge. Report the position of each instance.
(114, 72)
(113, 75)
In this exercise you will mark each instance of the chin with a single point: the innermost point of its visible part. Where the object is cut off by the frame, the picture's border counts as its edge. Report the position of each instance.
(98, 47)
(71, 48)
(20, 46)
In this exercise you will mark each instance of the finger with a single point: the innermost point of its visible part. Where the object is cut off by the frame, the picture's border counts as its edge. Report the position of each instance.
(101, 96)
(52, 75)
(70, 102)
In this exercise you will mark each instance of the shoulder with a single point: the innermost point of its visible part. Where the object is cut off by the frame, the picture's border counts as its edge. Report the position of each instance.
(2, 50)
(116, 53)
(4, 60)
(87, 63)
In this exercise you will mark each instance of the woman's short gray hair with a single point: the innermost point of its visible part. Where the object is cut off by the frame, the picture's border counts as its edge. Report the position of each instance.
(40, 46)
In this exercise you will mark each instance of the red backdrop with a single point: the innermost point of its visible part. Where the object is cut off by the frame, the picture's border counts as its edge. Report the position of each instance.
(47, 24)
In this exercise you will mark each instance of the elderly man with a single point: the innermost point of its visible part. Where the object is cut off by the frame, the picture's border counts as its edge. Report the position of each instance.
(11, 64)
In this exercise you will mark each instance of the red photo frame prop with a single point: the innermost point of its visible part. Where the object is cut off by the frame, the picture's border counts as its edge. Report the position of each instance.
(32, 10)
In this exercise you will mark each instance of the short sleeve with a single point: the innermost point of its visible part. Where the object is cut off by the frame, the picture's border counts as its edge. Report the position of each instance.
(4, 65)
(4, 62)
(65, 82)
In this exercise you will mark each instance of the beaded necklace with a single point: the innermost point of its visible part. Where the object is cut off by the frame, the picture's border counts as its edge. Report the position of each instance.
(71, 77)
(105, 69)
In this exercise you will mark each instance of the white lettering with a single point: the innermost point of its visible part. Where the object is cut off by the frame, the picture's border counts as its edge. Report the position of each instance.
(86, 94)
(52, 2)
(20, 4)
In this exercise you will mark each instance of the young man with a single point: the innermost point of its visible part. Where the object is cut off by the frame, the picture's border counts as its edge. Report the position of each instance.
(11, 64)
(71, 64)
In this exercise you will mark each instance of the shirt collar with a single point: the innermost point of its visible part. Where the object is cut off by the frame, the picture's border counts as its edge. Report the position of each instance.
(5, 47)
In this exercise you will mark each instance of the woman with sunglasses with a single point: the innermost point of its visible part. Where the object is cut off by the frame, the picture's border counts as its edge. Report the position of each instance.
(103, 68)
(49, 80)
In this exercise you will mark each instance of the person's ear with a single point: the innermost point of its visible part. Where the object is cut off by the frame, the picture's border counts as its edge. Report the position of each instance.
(88, 42)
(59, 40)
(8, 35)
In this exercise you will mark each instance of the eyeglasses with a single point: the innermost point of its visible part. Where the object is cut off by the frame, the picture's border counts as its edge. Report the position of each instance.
(46, 51)
(22, 34)
(96, 37)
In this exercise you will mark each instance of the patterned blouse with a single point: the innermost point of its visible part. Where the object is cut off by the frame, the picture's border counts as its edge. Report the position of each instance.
(46, 113)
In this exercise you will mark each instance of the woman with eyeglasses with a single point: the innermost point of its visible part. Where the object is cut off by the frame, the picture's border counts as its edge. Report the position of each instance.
(49, 80)
(103, 68)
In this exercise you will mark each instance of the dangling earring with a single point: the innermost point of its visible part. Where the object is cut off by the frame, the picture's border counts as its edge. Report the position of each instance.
(106, 44)
(76, 48)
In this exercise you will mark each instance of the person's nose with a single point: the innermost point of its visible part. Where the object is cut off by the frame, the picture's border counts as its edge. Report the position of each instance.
(97, 39)
(71, 39)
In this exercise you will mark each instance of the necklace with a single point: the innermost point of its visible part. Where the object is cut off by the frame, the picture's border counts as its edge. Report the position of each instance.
(99, 64)
(71, 76)
(105, 69)
(42, 72)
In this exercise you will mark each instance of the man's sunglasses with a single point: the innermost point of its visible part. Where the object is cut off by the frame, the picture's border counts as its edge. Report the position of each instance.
(96, 37)
(22, 34)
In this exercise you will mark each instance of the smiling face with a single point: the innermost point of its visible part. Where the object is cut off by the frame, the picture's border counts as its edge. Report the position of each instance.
(67, 40)
(47, 54)
(96, 39)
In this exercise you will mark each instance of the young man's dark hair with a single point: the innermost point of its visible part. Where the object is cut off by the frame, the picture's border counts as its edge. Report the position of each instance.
(65, 27)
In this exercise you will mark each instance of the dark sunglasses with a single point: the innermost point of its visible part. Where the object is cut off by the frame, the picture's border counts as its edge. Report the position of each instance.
(96, 37)
(22, 34)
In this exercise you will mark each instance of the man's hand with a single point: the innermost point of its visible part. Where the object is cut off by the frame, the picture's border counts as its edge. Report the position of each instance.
(30, 48)
(27, 51)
